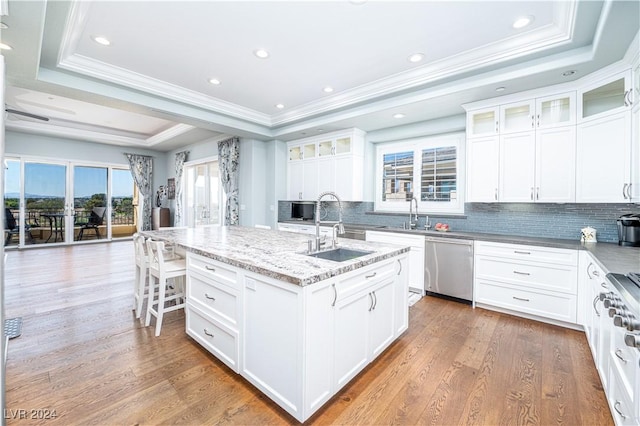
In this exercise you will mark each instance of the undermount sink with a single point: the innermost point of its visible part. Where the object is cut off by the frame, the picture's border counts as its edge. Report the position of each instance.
(340, 254)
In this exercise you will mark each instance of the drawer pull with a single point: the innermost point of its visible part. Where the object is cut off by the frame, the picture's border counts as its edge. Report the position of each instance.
(595, 308)
(615, 407)
(207, 333)
(209, 297)
(400, 263)
(371, 276)
(521, 252)
(618, 353)
(371, 306)
(209, 268)
(520, 298)
(596, 273)
(604, 285)
(335, 295)
(521, 273)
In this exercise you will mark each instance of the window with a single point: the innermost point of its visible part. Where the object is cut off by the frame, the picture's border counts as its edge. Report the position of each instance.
(429, 169)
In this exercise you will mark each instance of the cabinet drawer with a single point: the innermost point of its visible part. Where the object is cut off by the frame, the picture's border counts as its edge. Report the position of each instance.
(529, 274)
(556, 306)
(357, 280)
(221, 300)
(622, 409)
(624, 359)
(214, 336)
(400, 239)
(213, 269)
(528, 253)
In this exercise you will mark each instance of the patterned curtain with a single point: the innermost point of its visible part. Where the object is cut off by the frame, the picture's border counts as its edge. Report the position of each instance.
(181, 157)
(142, 172)
(228, 156)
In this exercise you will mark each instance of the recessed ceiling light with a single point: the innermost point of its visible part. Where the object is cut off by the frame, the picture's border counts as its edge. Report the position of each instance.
(214, 81)
(101, 40)
(3, 26)
(328, 89)
(5, 47)
(398, 115)
(522, 22)
(261, 53)
(279, 106)
(416, 57)
(500, 89)
(568, 73)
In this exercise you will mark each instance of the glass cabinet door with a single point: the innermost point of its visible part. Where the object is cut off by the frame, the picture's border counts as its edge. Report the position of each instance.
(343, 146)
(295, 153)
(517, 117)
(325, 148)
(607, 96)
(482, 122)
(557, 110)
(309, 150)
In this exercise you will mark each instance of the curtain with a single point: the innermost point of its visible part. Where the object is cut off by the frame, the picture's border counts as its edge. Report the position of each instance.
(142, 172)
(228, 155)
(181, 157)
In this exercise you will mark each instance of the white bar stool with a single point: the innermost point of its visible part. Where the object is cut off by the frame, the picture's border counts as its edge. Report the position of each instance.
(142, 267)
(160, 271)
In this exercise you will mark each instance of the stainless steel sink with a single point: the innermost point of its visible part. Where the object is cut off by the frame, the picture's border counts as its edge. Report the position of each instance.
(340, 254)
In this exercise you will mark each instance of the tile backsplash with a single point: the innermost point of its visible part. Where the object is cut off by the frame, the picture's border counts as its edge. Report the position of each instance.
(545, 220)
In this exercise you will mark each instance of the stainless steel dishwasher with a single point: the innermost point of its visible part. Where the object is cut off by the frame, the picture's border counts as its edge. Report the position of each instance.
(448, 267)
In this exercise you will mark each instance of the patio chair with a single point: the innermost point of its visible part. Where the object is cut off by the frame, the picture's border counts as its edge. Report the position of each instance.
(95, 220)
(11, 227)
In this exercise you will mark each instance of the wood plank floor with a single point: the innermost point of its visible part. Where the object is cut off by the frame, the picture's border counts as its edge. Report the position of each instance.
(84, 354)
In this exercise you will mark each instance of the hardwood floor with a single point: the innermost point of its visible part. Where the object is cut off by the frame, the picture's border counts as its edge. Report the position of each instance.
(84, 354)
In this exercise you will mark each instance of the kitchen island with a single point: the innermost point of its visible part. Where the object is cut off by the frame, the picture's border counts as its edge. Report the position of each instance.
(297, 327)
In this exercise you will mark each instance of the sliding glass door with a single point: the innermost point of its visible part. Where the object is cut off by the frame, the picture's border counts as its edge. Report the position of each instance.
(63, 202)
(202, 194)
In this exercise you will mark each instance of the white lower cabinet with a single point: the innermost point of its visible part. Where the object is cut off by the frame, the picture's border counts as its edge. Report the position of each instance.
(416, 255)
(530, 280)
(298, 345)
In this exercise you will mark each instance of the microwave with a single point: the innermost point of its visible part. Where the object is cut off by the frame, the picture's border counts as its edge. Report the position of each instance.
(302, 211)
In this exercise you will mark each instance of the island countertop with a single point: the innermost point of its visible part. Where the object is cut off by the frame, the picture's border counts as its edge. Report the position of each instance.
(279, 255)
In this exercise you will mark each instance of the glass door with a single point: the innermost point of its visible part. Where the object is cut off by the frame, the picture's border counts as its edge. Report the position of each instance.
(123, 218)
(90, 209)
(46, 205)
(202, 194)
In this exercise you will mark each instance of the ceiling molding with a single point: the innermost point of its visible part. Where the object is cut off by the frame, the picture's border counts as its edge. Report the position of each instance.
(171, 132)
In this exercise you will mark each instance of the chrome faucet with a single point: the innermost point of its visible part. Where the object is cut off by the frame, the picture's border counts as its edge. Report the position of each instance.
(412, 225)
(318, 222)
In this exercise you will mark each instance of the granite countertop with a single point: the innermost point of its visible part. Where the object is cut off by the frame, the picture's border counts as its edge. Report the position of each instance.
(275, 254)
(611, 257)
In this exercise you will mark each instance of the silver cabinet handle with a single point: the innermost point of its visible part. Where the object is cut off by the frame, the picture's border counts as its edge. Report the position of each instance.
(520, 298)
(209, 297)
(521, 252)
(629, 190)
(208, 333)
(595, 308)
(532, 193)
(615, 407)
(335, 295)
(495, 195)
(618, 353)
(624, 191)
(588, 273)
(538, 120)
(497, 126)
(533, 121)
(400, 270)
(371, 305)
(209, 268)
(375, 300)
(371, 276)
(604, 285)
(521, 273)
(537, 193)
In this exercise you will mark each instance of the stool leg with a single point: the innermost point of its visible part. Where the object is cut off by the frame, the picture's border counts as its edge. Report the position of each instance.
(136, 285)
(162, 291)
(142, 284)
(152, 291)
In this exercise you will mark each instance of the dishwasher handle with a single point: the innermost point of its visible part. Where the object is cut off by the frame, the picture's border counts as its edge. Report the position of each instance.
(457, 241)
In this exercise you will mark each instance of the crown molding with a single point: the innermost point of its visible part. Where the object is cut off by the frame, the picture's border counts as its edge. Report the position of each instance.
(171, 132)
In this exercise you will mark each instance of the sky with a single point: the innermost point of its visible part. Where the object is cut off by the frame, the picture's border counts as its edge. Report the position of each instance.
(49, 180)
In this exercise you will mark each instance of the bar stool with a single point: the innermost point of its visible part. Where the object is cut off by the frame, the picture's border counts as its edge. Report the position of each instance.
(160, 271)
(142, 266)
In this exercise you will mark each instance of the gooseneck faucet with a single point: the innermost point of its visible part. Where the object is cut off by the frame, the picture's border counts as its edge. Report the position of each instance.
(318, 222)
(412, 225)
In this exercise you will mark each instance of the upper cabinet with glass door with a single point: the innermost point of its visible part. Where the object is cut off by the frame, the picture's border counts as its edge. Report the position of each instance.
(483, 122)
(539, 113)
(606, 96)
(303, 151)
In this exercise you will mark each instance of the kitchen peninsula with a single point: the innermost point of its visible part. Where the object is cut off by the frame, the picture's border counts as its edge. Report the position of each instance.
(297, 327)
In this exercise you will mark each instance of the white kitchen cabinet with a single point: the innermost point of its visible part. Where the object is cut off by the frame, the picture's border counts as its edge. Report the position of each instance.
(335, 163)
(608, 95)
(557, 110)
(603, 159)
(634, 183)
(517, 117)
(526, 280)
(483, 157)
(401, 296)
(483, 122)
(555, 160)
(415, 266)
(517, 167)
